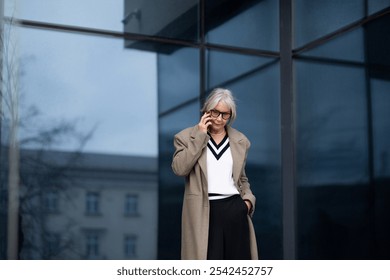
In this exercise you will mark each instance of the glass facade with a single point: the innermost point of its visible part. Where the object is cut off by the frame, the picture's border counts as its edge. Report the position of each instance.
(341, 159)
(94, 92)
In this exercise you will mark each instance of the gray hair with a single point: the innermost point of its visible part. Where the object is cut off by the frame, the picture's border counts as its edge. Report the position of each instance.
(221, 95)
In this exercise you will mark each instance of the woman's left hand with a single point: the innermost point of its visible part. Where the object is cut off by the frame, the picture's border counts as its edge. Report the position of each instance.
(249, 205)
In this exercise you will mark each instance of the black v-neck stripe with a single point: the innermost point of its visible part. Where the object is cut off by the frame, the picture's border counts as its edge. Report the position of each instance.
(221, 143)
(218, 155)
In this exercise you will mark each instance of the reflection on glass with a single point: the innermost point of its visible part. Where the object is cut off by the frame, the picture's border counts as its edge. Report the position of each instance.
(317, 18)
(70, 80)
(342, 132)
(381, 127)
(97, 14)
(342, 47)
(333, 162)
(377, 5)
(255, 84)
(178, 83)
(92, 202)
(381, 133)
(176, 19)
(172, 186)
(87, 113)
(227, 67)
(248, 24)
(332, 124)
(178, 108)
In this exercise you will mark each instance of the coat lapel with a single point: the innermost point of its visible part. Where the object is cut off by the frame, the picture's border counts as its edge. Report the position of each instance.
(238, 150)
(203, 158)
(203, 162)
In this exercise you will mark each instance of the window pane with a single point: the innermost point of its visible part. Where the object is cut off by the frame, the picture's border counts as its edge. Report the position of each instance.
(332, 124)
(255, 84)
(92, 203)
(342, 47)
(92, 245)
(176, 19)
(316, 18)
(131, 205)
(69, 81)
(332, 162)
(342, 156)
(247, 24)
(380, 90)
(226, 67)
(172, 186)
(97, 14)
(178, 83)
(381, 128)
(51, 199)
(179, 109)
(377, 5)
(52, 245)
(130, 246)
(80, 100)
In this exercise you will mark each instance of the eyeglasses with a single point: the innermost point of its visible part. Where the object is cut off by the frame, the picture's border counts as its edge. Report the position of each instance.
(215, 114)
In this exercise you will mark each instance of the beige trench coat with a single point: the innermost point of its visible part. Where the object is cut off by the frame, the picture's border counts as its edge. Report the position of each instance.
(189, 160)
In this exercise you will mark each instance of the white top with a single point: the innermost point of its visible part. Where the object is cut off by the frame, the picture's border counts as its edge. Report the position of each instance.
(220, 170)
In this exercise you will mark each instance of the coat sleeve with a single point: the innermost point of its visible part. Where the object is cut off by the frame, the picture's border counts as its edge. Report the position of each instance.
(189, 145)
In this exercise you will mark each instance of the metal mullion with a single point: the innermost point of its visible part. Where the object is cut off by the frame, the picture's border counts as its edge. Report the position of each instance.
(370, 145)
(242, 50)
(288, 157)
(100, 32)
(202, 52)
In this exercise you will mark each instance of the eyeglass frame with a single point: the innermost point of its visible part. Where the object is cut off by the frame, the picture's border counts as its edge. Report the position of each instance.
(219, 113)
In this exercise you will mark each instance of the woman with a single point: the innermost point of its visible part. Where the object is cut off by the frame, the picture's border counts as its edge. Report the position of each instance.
(218, 202)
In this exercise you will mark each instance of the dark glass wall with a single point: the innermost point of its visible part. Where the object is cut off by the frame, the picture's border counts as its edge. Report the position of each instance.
(342, 85)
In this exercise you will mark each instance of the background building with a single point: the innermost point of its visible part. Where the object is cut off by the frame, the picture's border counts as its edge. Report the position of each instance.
(87, 206)
(312, 85)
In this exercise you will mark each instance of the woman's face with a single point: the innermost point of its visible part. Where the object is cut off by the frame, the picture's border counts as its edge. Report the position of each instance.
(220, 115)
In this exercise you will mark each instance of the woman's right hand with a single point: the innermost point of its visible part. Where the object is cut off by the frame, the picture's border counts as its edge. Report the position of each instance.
(205, 122)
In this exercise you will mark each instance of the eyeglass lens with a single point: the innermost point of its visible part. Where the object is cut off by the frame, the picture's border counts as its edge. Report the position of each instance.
(216, 113)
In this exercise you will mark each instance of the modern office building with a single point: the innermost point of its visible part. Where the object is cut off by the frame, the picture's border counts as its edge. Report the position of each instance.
(312, 82)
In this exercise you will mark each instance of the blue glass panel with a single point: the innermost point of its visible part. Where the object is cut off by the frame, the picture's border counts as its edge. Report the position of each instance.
(332, 124)
(377, 5)
(97, 14)
(247, 24)
(88, 123)
(178, 83)
(179, 108)
(316, 18)
(343, 48)
(172, 186)
(332, 162)
(71, 78)
(177, 19)
(381, 127)
(226, 67)
(255, 84)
